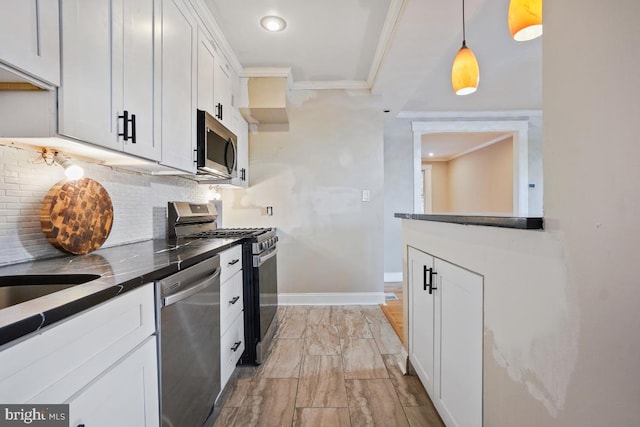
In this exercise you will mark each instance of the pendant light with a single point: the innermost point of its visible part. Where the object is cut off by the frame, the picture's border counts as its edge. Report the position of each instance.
(465, 73)
(525, 19)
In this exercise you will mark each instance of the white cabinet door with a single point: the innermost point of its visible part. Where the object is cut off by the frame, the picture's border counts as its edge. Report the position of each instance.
(137, 94)
(179, 67)
(108, 71)
(126, 395)
(222, 91)
(30, 39)
(421, 317)
(84, 105)
(445, 336)
(240, 127)
(459, 345)
(206, 64)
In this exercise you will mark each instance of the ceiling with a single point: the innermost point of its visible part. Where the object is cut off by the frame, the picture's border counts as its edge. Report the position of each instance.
(446, 146)
(399, 49)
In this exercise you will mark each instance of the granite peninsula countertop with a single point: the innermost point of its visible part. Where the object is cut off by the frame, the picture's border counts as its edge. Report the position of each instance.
(523, 223)
(121, 268)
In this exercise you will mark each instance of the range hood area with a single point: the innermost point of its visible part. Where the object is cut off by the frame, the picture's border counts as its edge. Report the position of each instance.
(264, 98)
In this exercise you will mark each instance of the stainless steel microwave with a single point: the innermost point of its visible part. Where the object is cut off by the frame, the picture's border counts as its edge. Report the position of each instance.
(217, 148)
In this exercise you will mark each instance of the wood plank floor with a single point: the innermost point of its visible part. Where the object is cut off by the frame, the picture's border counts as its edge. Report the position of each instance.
(392, 309)
(328, 366)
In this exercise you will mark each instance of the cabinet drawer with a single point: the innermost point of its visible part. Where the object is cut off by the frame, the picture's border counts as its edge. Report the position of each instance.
(230, 262)
(54, 364)
(231, 301)
(232, 339)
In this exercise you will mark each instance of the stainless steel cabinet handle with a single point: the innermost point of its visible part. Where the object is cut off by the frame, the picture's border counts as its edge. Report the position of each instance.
(186, 293)
(234, 300)
(236, 346)
(431, 287)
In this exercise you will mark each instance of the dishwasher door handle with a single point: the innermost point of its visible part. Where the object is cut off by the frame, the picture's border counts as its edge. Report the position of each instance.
(186, 293)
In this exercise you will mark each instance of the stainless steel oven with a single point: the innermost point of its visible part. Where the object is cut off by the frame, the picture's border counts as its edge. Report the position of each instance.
(260, 273)
(265, 289)
(189, 343)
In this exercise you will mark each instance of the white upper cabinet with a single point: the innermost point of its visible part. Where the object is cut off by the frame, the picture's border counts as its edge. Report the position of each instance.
(222, 90)
(241, 129)
(107, 91)
(179, 80)
(138, 75)
(206, 63)
(30, 40)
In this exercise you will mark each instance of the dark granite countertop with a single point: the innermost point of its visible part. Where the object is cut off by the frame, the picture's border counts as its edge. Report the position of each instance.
(121, 268)
(523, 223)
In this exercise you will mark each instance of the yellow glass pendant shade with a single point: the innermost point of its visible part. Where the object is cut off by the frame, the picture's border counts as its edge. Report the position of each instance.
(525, 19)
(465, 73)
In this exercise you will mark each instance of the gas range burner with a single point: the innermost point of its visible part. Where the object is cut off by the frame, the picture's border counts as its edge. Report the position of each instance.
(232, 232)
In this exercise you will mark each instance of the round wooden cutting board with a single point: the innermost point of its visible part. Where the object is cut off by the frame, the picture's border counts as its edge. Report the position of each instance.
(76, 216)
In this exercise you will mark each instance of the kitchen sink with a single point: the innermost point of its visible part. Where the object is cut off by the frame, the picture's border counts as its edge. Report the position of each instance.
(21, 288)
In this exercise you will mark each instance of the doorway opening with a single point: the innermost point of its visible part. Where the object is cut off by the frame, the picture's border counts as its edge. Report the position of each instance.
(493, 132)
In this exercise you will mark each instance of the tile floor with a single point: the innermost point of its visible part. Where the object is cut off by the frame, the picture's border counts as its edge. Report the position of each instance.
(328, 366)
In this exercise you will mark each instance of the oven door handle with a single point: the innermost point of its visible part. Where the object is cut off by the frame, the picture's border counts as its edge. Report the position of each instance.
(191, 290)
(259, 259)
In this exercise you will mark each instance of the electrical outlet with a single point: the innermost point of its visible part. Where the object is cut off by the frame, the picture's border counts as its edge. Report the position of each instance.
(366, 195)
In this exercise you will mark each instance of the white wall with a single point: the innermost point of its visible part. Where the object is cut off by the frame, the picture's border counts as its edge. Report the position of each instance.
(592, 201)
(139, 203)
(398, 193)
(561, 341)
(313, 176)
(535, 166)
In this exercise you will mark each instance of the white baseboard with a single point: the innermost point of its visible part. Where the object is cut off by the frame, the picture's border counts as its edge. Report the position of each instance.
(393, 277)
(332, 298)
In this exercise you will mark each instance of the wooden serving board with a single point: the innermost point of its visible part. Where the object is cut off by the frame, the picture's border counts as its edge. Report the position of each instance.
(76, 216)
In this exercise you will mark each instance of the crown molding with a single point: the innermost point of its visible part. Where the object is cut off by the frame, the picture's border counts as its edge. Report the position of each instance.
(489, 114)
(266, 72)
(328, 85)
(386, 35)
(481, 146)
(219, 38)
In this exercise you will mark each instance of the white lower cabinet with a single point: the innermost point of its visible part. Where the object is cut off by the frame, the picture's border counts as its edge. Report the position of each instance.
(124, 395)
(446, 335)
(231, 312)
(102, 362)
(232, 347)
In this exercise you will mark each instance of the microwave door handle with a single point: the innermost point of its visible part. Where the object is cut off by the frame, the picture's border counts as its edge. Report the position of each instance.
(226, 150)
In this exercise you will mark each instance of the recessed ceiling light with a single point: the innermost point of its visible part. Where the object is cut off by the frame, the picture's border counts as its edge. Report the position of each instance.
(273, 23)
(430, 154)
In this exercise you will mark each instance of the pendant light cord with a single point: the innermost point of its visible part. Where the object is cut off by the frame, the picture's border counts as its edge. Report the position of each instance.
(464, 35)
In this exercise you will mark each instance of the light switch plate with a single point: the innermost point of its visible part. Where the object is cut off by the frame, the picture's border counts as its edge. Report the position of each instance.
(366, 195)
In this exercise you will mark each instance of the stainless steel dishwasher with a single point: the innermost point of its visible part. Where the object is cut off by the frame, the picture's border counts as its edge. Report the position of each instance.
(189, 343)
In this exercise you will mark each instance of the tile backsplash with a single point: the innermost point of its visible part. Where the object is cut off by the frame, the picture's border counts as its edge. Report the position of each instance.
(139, 202)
